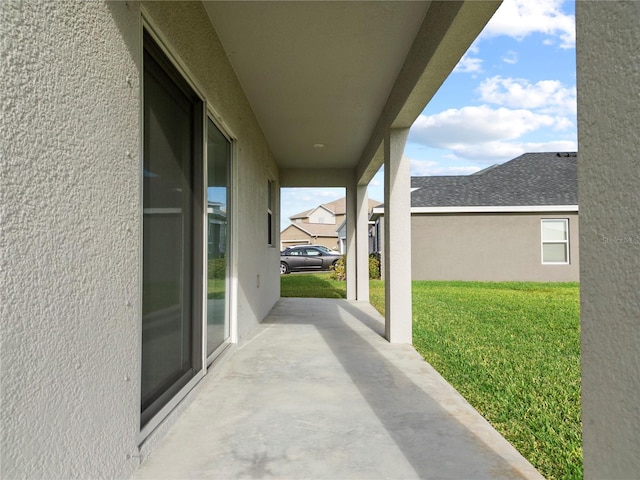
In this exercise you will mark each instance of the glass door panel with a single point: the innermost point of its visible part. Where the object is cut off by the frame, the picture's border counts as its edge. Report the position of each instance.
(169, 334)
(218, 163)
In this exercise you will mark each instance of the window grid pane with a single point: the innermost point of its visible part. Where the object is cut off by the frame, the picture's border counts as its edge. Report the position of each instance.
(555, 240)
(554, 252)
(554, 230)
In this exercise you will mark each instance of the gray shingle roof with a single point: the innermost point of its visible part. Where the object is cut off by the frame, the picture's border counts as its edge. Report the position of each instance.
(530, 179)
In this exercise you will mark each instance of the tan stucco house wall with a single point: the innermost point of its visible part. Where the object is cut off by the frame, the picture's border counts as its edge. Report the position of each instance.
(292, 235)
(488, 247)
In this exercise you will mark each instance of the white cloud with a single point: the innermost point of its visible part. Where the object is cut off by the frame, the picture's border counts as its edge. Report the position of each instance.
(423, 168)
(498, 151)
(468, 64)
(550, 96)
(481, 124)
(319, 195)
(487, 135)
(563, 123)
(511, 57)
(520, 18)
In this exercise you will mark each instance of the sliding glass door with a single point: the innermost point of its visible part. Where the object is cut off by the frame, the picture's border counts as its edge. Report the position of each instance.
(186, 236)
(172, 232)
(218, 166)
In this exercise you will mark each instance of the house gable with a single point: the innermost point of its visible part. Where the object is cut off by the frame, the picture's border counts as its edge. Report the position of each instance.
(293, 229)
(322, 215)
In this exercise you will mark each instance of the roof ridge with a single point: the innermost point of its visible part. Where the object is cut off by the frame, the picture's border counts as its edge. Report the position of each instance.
(533, 178)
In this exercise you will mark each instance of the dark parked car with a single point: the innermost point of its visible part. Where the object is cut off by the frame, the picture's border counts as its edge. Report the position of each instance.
(305, 258)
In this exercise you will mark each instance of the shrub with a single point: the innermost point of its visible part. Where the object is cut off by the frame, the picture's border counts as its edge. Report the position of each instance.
(339, 269)
(217, 268)
(374, 267)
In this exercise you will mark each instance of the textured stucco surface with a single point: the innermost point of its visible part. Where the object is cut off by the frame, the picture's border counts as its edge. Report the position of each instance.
(608, 69)
(70, 210)
(485, 247)
(397, 235)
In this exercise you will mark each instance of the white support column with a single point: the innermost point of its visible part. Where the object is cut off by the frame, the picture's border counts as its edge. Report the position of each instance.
(352, 274)
(362, 243)
(397, 238)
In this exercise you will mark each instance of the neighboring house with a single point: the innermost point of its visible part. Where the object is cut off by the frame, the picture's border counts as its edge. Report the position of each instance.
(217, 229)
(517, 221)
(342, 237)
(321, 225)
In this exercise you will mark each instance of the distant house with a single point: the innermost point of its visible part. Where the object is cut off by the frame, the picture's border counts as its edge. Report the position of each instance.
(320, 225)
(217, 229)
(517, 221)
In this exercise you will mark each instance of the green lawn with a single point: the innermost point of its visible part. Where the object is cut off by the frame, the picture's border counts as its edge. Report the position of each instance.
(216, 288)
(511, 349)
(312, 285)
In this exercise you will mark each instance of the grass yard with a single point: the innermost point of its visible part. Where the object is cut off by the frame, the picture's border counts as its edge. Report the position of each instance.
(511, 349)
(216, 288)
(312, 285)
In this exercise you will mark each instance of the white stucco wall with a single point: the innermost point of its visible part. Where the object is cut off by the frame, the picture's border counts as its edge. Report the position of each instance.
(70, 264)
(70, 238)
(608, 70)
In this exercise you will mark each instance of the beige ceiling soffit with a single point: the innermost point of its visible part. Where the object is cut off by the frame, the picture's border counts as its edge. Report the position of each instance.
(448, 29)
(316, 177)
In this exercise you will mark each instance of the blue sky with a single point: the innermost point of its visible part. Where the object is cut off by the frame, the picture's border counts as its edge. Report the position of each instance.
(514, 91)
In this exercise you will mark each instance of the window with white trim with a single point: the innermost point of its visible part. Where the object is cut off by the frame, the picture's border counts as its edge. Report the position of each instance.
(555, 240)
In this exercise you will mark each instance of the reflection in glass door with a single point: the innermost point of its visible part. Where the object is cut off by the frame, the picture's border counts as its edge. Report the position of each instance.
(171, 310)
(218, 163)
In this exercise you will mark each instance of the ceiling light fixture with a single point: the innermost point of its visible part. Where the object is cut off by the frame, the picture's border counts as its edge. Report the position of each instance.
(318, 145)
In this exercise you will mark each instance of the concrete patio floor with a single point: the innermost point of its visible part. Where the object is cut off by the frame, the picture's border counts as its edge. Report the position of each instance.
(318, 393)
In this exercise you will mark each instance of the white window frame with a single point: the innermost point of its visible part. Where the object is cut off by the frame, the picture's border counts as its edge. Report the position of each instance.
(271, 220)
(564, 242)
(230, 290)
